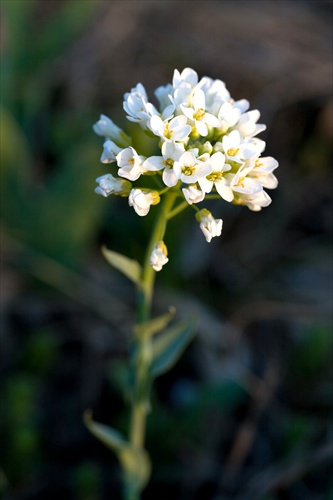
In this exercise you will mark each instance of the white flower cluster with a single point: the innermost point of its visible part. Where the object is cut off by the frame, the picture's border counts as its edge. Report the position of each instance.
(207, 148)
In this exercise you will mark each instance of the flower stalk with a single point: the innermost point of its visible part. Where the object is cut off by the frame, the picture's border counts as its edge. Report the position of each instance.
(208, 150)
(145, 292)
(142, 348)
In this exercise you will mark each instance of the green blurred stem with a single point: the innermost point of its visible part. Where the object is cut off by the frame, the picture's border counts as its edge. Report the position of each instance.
(145, 294)
(142, 348)
(177, 210)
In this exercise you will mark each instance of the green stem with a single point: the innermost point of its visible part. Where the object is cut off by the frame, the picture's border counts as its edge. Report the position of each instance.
(142, 347)
(148, 274)
(213, 197)
(177, 210)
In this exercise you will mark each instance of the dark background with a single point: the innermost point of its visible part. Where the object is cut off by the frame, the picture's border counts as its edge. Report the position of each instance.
(246, 413)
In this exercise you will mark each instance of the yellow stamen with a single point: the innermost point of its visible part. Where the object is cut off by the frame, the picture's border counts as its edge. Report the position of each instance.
(167, 132)
(169, 162)
(199, 114)
(241, 182)
(215, 176)
(188, 170)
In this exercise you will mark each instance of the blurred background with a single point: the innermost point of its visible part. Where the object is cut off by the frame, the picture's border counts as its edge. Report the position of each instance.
(247, 412)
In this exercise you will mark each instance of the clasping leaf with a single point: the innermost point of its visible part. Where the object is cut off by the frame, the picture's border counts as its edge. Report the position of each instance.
(169, 346)
(155, 325)
(130, 268)
(135, 462)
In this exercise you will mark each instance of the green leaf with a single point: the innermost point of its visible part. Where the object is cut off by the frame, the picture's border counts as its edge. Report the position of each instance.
(149, 328)
(110, 437)
(169, 346)
(135, 462)
(130, 268)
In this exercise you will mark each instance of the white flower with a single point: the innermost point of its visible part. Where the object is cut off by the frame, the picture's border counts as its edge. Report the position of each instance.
(181, 96)
(215, 91)
(141, 200)
(216, 177)
(184, 84)
(209, 226)
(248, 191)
(240, 183)
(130, 164)
(198, 113)
(254, 202)
(106, 128)
(235, 149)
(193, 195)
(207, 144)
(258, 144)
(110, 151)
(174, 130)
(189, 169)
(243, 105)
(262, 171)
(109, 185)
(163, 95)
(247, 125)
(138, 90)
(137, 107)
(171, 152)
(158, 257)
(228, 116)
(187, 78)
(167, 106)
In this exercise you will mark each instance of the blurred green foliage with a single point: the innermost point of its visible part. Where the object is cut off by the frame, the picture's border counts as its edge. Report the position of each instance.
(50, 155)
(48, 151)
(87, 481)
(22, 451)
(41, 352)
(313, 356)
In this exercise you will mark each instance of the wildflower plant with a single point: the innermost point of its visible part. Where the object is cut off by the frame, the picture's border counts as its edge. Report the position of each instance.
(207, 149)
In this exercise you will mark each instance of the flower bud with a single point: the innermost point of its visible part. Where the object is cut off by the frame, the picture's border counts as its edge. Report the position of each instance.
(111, 185)
(192, 194)
(141, 200)
(209, 226)
(110, 151)
(108, 129)
(158, 256)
